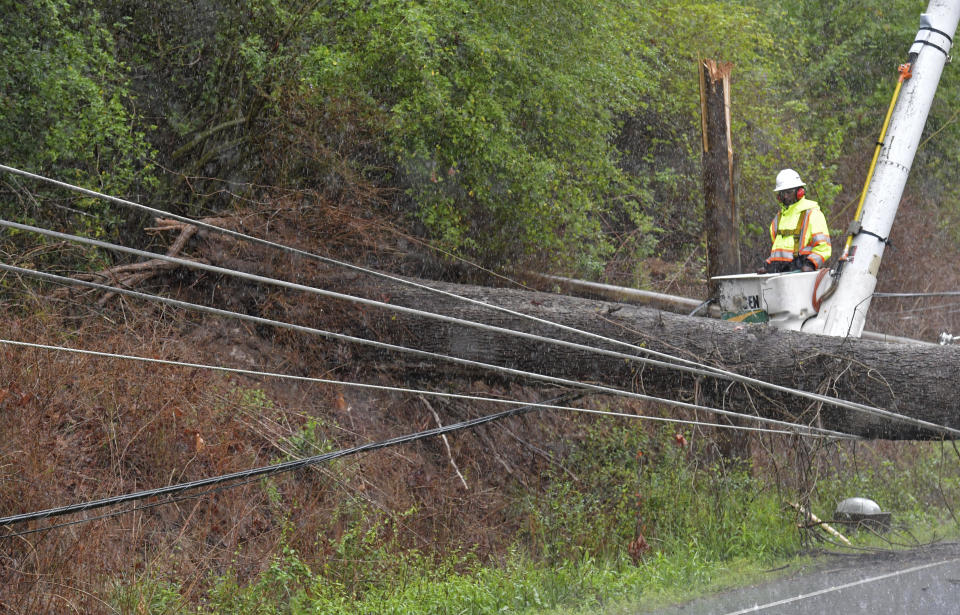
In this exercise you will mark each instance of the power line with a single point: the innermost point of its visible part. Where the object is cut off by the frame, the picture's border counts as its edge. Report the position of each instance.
(287, 466)
(345, 297)
(236, 479)
(402, 349)
(329, 260)
(807, 430)
(946, 293)
(715, 371)
(704, 370)
(125, 511)
(926, 308)
(174, 500)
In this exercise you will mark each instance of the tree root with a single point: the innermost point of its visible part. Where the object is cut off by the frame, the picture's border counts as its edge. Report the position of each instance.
(135, 274)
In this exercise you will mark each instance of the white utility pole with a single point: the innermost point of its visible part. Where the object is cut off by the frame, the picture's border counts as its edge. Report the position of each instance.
(844, 313)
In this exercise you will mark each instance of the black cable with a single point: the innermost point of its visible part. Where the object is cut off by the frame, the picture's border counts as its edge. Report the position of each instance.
(245, 476)
(934, 45)
(940, 32)
(117, 513)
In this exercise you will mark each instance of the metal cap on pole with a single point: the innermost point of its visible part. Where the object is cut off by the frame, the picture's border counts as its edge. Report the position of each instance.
(844, 313)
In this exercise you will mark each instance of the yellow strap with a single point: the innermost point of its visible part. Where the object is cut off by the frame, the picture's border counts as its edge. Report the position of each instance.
(904, 75)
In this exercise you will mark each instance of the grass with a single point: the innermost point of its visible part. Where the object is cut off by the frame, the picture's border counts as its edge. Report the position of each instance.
(707, 525)
(517, 585)
(605, 517)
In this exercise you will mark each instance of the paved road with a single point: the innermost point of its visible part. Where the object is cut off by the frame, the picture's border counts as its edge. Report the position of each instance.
(923, 581)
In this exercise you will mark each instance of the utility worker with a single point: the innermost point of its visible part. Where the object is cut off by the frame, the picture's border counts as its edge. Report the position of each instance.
(799, 233)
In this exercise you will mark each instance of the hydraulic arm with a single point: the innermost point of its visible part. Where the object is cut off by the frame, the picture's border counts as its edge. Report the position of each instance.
(844, 312)
(836, 302)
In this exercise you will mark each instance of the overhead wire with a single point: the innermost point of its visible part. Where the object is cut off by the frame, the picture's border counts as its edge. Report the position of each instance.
(243, 477)
(945, 293)
(715, 371)
(192, 264)
(711, 369)
(36, 515)
(814, 432)
(727, 374)
(393, 347)
(236, 479)
(807, 430)
(482, 326)
(926, 308)
(125, 511)
(255, 473)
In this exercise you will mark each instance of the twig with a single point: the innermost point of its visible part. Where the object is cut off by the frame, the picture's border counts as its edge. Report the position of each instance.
(940, 482)
(817, 522)
(538, 451)
(150, 267)
(482, 435)
(133, 274)
(445, 442)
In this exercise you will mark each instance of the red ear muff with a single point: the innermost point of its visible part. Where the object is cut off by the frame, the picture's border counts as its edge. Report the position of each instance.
(800, 193)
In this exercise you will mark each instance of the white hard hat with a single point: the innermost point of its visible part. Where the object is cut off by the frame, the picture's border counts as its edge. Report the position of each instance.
(788, 178)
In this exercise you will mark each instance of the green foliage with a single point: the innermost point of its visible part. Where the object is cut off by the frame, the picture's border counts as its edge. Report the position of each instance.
(503, 136)
(706, 524)
(770, 116)
(595, 516)
(213, 82)
(518, 586)
(684, 509)
(566, 132)
(844, 72)
(253, 401)
(917, 482)
(276, 591)
(572, 553)
(147, 595)
(63, 112)
(310, 440)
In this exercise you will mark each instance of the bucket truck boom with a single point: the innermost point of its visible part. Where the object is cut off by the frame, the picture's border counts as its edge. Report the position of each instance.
(792, 300)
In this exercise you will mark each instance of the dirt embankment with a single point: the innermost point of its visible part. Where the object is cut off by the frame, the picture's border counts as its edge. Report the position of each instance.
(78, 428)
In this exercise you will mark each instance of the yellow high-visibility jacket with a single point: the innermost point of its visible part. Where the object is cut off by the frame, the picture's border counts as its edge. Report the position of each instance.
(800, 230)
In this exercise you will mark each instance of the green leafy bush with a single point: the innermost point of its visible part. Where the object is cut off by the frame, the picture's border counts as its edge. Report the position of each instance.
(500, 116)
(64, 112)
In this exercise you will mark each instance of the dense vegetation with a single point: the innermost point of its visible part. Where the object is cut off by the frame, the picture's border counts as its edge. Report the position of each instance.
(506, 131)
(708, 527)
(560, 135)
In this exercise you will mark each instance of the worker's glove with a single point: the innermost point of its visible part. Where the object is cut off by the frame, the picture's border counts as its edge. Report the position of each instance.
(801, 263)
(762, 270)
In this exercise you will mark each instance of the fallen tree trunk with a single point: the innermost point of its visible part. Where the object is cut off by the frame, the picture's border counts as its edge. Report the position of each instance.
(907, 379)
(911, 380)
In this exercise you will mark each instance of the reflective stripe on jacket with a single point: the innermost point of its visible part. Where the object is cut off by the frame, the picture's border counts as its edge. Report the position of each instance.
(800, 230)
